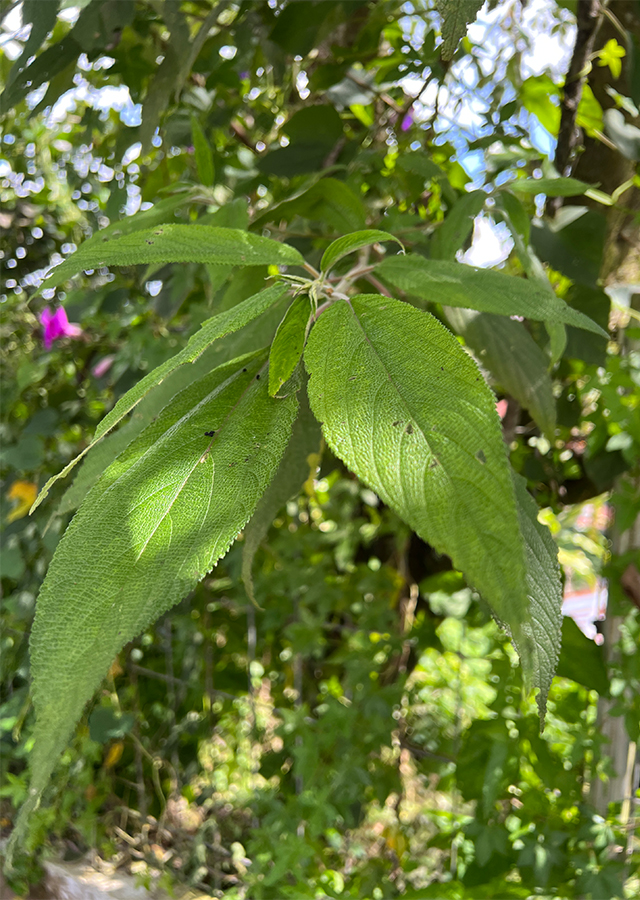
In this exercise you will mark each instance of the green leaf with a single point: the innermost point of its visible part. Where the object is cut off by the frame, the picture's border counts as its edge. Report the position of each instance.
(509, 352)
(625, 136)
(557, 340)
(456, 228)
(408, 411)
(300, 458)
(158, 520)
(328, 200)
(454, 284)
(544, 589)
(211, 330)
(536, 95)
(288, 343)
(250, 338)
(351, 242)
(552, 187)
(582, 660)
(176, 243)
(456, 15)
(204, 156)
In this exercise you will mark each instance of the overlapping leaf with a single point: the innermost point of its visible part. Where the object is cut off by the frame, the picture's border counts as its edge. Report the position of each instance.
(211, 330)
(509, 352)
(176, 243)
(288, 343)
(157, 521)
(454, 284)
(352, 242)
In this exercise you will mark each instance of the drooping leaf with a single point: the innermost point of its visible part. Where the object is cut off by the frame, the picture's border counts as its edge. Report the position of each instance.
(454, 284)
(552, 187)
(456, 228)
(544, 589)
(288, 343)
(204, 156)
(158, 520)
(509, 352)
(176, 243)
(352, 242)
(297, 462)
(408, 411)
(456, 16)
(211, 330)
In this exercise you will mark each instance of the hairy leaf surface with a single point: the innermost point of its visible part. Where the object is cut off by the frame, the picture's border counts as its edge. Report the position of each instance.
(157, 521)
(352, 242)
(218, 326)
(408, 411)
(552, 187)
(294, 469)
(456, 16)
(176, 243)
(454, 284)
(510, 353)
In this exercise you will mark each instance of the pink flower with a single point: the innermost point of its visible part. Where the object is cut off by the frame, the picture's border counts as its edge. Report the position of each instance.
(502, 407)
(56, 325)
(101, 368)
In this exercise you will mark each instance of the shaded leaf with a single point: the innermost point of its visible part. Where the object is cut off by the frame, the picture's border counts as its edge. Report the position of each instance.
(204, 156)
(294, 469)
(352, 242)
(552, 187)
(511, 355)
(456, 16)
(582, 660)
(456, 228)
(408, 411)
(288, 343)
(454, 284)
(328, 200)
(544, 589)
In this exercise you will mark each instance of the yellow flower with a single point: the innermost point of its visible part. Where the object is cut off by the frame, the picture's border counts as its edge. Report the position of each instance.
(610, 55)
(25, 492)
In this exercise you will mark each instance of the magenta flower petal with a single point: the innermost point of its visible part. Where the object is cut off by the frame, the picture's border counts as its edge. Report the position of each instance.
(407, 122)
(101, 368)
(56, 325)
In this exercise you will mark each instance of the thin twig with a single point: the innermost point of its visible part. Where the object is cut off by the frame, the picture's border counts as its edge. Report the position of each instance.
(588, 16)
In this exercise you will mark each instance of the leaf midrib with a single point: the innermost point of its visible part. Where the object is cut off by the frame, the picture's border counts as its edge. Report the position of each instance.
(498, 563)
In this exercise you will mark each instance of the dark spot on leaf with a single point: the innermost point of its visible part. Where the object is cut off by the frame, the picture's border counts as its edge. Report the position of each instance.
(442, 368)
(257, 378)
(397, 422)
(247, 458)
(244, 370)
(352, 377)
(209, 433)
(481, 457)
(231, 465)
(409, 428)
(149, 242)
(435, 463)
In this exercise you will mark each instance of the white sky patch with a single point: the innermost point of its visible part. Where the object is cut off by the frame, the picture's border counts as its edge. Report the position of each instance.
(490, 246)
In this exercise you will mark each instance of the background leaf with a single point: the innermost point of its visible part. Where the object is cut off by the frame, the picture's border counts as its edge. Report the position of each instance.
(511, 355)
(456, 15)
(454, 284)
(204, 156)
